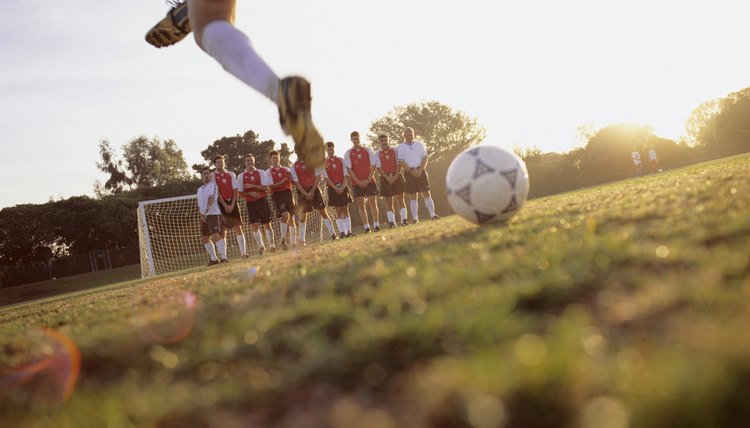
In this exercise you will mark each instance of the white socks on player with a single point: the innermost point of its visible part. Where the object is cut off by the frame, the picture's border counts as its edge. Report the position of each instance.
(292, 235)
(342, 225)
(302, 230)
(414, 209)
(258, 238)
(234, 51)
(375, 224)
(402, 213)
(222, 249)
(283, 227)
(211, 250)
(430, 206)
(348, 222)
(269, 235)
(390, 216)
(241, 243)
(329, 225)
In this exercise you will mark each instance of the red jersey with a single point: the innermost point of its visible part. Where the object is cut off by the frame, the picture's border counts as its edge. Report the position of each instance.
(226, 182)
(388, 161)
(253, 178)
(303, 175)
(360, 160)
(335, 170)
(276, 175)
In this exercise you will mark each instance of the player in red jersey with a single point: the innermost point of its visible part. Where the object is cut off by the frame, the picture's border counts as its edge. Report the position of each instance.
(280, 184)
(226, 181)
(337, 181)
(252, 185)
(391, 181)
(306, 180)
(360, 163)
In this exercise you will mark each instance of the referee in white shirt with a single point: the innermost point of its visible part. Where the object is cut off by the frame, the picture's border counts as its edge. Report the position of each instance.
(412, 156)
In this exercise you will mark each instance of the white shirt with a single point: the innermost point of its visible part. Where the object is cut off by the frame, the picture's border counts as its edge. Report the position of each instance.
(411, 154)
(204, 192)
(636, 158)
(652, 155)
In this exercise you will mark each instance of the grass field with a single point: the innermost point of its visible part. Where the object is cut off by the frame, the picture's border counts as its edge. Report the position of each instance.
(621, 305)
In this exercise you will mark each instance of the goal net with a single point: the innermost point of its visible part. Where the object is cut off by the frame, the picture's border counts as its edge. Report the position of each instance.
(169, 232)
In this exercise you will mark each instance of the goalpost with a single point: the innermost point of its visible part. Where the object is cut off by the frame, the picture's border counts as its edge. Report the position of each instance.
(169, 234)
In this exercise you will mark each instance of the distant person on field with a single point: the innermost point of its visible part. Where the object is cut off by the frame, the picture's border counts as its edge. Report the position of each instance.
(361, 163)
(309, 198)
(391, 181)
(226, 181)
(280, 183)
(653, 160)
(337, 180)
(212, 222)
(252, 185)
(637, 163)
(413, 158)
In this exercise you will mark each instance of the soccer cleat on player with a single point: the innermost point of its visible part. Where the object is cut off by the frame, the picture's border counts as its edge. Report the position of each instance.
(212, 23)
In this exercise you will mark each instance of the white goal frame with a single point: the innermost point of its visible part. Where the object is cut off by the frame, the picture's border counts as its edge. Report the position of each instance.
(169, 233)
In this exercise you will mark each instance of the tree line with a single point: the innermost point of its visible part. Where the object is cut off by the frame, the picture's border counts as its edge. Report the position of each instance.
(151, 169)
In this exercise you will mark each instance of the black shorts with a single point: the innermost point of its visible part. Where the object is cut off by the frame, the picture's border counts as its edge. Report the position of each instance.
(336, 200)
(306, 206)
(258, 211)
(414, 184)
(284, 202)
(214, 224)
(370, 190)
(234, 218)
(387, 190)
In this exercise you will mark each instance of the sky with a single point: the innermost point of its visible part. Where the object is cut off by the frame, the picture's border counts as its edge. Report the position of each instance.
(531, 72)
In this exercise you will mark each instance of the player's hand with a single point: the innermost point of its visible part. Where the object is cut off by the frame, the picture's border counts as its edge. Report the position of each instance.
(340, 190)
(229, 208)
(203, 219)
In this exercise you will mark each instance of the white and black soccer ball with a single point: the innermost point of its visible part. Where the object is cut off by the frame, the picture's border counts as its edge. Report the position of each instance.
(487, 184)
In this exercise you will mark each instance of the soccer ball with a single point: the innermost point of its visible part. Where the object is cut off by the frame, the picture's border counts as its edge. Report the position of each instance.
(487, 184)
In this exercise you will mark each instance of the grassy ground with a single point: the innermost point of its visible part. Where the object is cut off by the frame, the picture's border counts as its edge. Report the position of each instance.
(68, 284)
(620, 305)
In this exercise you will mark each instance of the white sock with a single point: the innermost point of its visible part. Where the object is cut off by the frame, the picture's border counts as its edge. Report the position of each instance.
(292, 235)
(302, 230)
(222, 249)
(430, 206)
(348, 225)
(329, 225)
(414, 209)
(258, 238)
(375, 224)
(341, 224)
(234, 51)
(269, 235)
(284, 228)
(241, 243)
(402, 213)
(391, 216)
(367, 226)
(211, 250)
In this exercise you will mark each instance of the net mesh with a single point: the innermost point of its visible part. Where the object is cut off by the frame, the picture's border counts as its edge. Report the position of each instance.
(169, 232)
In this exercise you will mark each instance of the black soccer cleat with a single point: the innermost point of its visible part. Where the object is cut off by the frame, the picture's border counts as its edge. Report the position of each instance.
(212, 262)
(334, 237)
(283, 245)
(391, 225)
(435, 217)
(376, 229)
(343, 235)
(404, 223)
(224, 261)
(368, 230)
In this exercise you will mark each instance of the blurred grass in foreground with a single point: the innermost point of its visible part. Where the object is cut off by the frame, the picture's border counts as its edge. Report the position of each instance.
(615, 306)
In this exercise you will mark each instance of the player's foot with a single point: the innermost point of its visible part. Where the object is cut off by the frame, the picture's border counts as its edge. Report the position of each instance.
(301, 244)
(404, 223)
(212, 262)
(224, 261)
(367, 231)
(376, 229)
(273, 249)
(283, 245)
(246, 256)
(261, 251)
(334, 237)
(296, 120)
(414, 222)
(392, 225)
(436, 217)
(343, 235)
(349, 235)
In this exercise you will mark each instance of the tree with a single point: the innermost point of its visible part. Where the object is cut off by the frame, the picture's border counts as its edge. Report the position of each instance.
(701, 125)
(236, 148)
(444, 132)
(144, 163)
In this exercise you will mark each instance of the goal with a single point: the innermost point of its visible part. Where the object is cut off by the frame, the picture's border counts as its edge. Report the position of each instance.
(169, 233)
